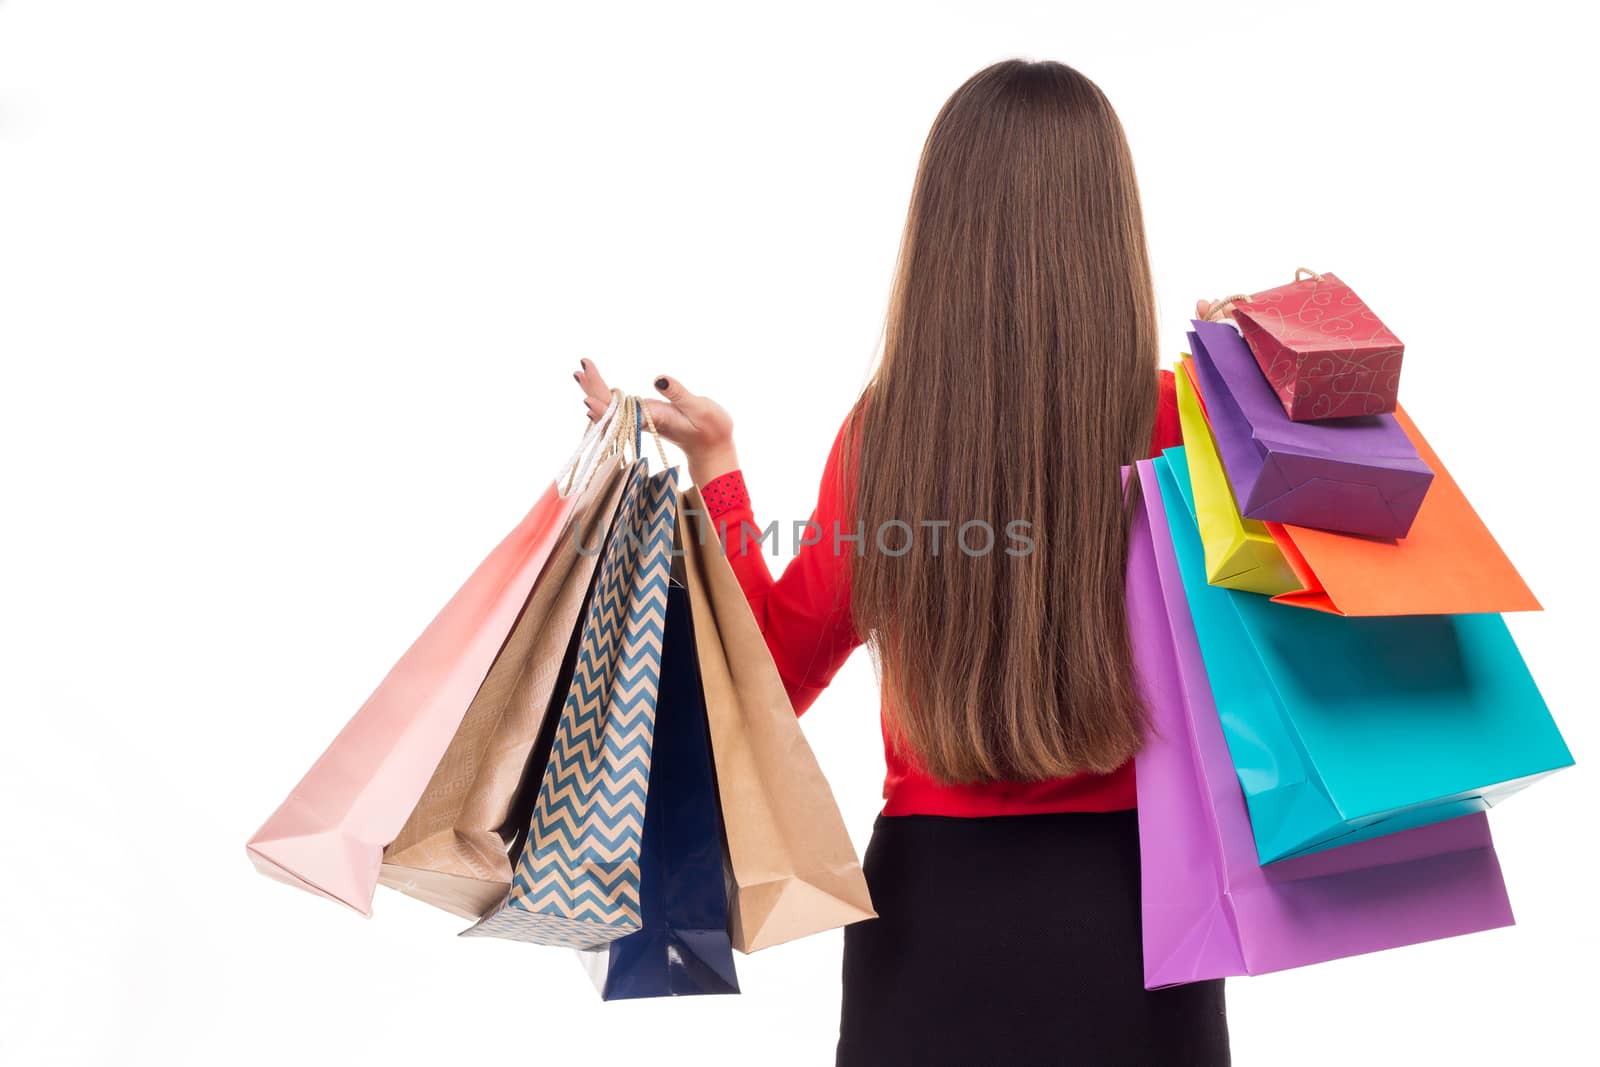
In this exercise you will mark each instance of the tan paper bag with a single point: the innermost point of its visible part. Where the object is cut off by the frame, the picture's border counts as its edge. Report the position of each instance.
(454, 851)
(794, 869)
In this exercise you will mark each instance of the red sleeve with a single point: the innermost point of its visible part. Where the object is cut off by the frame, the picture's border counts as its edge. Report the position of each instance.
(805, 612)
(1167, 432)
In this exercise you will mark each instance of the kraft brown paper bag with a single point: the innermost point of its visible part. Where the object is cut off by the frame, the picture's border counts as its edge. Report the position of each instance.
(451, 853)
(794, 869)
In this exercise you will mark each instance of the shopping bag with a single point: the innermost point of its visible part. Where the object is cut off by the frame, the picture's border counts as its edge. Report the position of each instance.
(328, 836)
(682, 945)
(453, 852)
(794, 869)
(1209, 909)
(1448, 563)
(1343, 729)
(576, 881)
(1359, 475)
(1240, 553)
(1324, 352)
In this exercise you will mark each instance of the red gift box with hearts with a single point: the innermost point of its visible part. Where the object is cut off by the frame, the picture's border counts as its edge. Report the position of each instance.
(1324, 351)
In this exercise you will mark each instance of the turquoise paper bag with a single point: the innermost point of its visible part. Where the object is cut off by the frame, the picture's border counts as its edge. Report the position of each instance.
(1343, 729)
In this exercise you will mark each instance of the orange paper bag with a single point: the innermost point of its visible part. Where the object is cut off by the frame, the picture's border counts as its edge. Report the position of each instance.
(1447, 564)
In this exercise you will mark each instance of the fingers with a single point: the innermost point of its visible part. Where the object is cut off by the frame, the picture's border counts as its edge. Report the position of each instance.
(670, 422)
(1213, 310)
(596, 394)
(594, 385)
(672, 415)
(673, 389)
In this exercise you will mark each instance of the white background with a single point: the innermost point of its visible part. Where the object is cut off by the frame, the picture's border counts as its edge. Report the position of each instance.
(289, 297)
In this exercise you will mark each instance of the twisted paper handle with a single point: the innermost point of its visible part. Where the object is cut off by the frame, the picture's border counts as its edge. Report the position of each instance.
(650, 424)
(620, 431)
(1221, 309)
(601, 441)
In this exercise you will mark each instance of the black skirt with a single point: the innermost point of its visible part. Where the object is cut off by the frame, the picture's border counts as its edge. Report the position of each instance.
(1013, 940)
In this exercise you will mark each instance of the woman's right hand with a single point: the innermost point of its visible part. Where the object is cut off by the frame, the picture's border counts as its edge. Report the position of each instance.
(696, 424)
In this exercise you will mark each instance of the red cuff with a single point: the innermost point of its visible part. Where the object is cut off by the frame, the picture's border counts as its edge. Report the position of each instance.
(725, 493)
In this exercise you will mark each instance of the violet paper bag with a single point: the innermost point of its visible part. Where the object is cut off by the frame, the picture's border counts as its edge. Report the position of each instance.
(1210, 910)
(1360, 475)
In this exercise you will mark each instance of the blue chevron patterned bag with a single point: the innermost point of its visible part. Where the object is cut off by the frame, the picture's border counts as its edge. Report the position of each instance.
(683, 947)
(576, 881)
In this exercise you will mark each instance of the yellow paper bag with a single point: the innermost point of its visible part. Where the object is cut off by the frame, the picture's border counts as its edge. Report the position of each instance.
(1240, 553)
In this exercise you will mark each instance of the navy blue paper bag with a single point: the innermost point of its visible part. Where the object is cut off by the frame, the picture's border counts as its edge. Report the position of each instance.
(682, 947)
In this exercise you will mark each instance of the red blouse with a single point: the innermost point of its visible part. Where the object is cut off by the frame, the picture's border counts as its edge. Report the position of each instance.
(805, 615)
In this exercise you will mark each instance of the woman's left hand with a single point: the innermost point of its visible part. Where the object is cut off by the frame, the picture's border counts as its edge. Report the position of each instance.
(696, 424)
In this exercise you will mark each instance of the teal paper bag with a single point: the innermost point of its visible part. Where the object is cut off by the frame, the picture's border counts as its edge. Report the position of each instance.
(1343, 729)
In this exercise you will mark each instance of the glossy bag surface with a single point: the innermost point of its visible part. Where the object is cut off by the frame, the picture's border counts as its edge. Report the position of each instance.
(1448, 563)
(1240, 552)
(1359, 475)
(1210, 910)
(1343, 729)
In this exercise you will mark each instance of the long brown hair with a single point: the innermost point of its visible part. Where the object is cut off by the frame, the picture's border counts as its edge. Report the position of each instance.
(1019, 374)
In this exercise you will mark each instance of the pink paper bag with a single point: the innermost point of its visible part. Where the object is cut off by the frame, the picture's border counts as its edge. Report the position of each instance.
(328, 836)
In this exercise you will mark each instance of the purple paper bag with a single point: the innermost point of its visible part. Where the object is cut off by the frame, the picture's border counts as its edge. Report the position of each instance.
(1360, 475)
(1210, 910)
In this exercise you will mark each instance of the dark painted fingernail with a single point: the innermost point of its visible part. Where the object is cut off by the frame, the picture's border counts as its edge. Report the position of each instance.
(661, 383)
